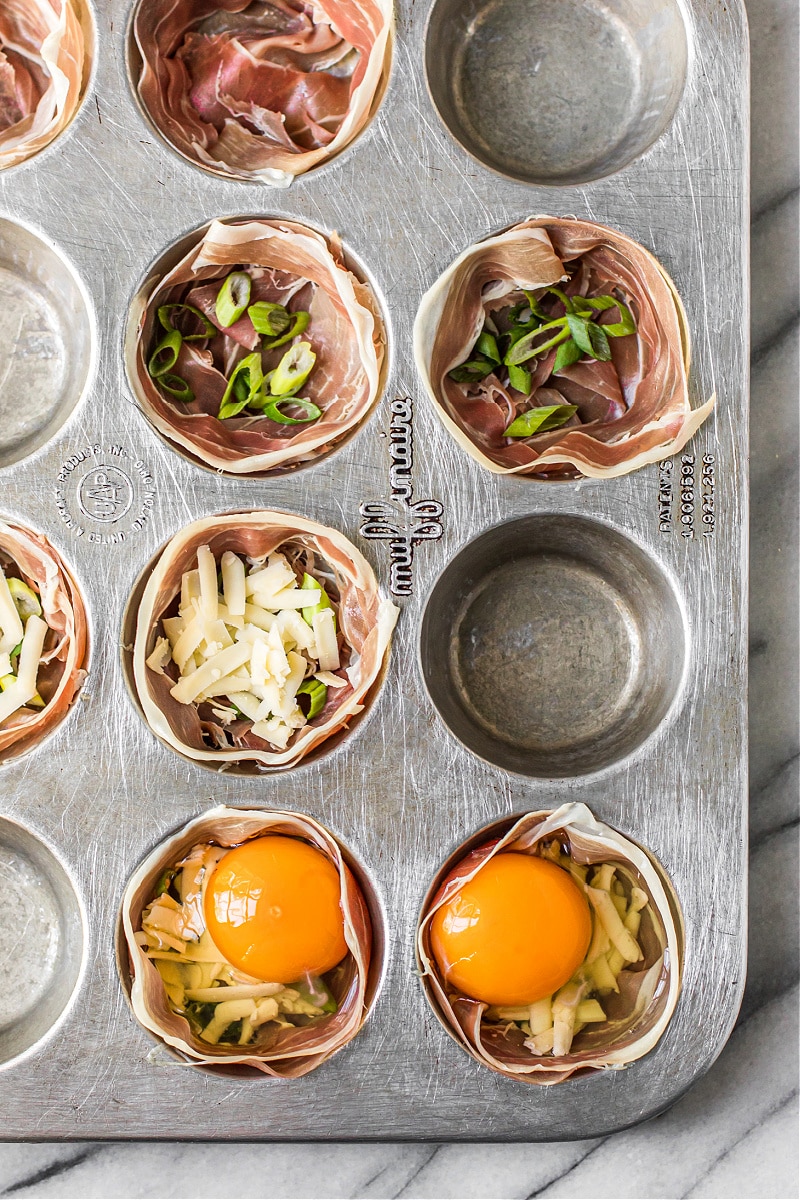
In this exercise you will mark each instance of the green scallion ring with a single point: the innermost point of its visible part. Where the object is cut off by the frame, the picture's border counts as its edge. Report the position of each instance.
(317, 693)
(272, 410)
(176, 387)
(233, 298)
(298, 325)
(208, 329)
(165, 355)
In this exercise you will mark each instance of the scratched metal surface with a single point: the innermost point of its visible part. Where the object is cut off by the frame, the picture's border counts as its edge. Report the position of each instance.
(402, 793)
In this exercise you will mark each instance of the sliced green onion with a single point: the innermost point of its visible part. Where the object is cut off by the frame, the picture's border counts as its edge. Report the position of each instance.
(622, 328)
(564, 298)
(472, 370)
(233, 298)
(269, 319)
(311, 584)
(486, 347)
(273, 411)
(520, 378)
(25, 599)
(164, 317)
(241, 391)
(537, 420)
(165, 882)
(567, 354)
(312, 989)
(293, 369)
(299, 325)
(524, 349)
(317, 693)
(7, 681)
(176, 387)
(165, 355)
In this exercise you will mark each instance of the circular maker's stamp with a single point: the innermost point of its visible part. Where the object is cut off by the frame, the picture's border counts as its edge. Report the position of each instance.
(104, 493)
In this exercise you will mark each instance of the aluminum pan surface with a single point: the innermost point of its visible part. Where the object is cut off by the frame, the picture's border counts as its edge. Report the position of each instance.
(402, 794)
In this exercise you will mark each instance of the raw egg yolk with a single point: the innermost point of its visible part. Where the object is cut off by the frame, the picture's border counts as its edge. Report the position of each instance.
(272, 908)
(515, 933)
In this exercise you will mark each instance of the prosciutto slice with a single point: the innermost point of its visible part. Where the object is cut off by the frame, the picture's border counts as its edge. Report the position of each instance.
(43, 70)
(634, 409)
(30, 557)
(366, 622)
(288, 1053)
(291, 265)
(648, 990)
(262, 90)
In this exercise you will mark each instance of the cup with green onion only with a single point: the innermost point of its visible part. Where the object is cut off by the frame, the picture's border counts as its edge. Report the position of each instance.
(260, 350)
(558, 349)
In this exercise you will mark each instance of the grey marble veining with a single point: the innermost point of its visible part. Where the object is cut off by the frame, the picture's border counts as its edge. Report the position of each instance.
(734, 1133)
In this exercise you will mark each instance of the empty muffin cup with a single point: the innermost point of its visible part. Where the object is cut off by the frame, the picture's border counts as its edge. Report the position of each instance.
(553, 645)
(556, 93)
(38, 902)
(47, 349)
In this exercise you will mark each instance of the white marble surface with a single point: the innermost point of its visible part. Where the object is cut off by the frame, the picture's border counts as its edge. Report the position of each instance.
(735, 1133)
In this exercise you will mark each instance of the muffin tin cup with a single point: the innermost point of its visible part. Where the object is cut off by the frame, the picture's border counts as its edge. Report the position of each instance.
(656, 561)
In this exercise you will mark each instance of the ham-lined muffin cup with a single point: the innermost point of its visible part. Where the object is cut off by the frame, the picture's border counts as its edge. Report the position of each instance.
(558, 349)
(261, 91)
(260, 351)
(259, 636)
(45, 48)
(249, 943)
(553, 948)
(44, 639)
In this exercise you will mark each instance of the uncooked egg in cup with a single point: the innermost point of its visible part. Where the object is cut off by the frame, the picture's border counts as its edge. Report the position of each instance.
(251, 943)
(551, 946)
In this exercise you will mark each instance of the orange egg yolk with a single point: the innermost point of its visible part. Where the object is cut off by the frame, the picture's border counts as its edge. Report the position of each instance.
(272, 908)
(515, 933)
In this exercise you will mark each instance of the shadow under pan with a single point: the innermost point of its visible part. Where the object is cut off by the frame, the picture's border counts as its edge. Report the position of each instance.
(553, 646)
(556, 92)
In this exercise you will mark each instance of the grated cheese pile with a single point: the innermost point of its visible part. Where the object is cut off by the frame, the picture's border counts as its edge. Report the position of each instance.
(551, 1023)
(220, 1002)
(253, 642)
(22, 634)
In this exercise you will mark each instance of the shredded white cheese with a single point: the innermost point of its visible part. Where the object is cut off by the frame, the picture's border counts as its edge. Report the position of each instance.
(242, 636)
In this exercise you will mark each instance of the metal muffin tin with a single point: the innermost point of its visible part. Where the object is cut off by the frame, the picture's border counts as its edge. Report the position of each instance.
(80, 812)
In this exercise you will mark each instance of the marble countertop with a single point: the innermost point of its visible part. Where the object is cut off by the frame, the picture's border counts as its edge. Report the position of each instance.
(734, 1133)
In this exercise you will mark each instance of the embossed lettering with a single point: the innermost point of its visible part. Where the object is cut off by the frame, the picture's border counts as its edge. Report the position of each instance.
(401, 521)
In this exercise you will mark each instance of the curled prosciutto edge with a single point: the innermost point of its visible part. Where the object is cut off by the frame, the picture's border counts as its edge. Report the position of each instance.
(290, 265)
(262, 90)
(29, 559)
(279, 1050)
(630, 409)
(636, 1013)
(42, 73)
(364, 627)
